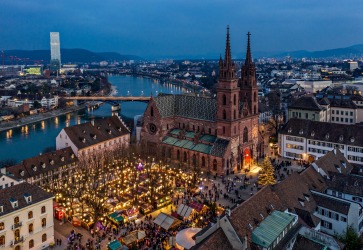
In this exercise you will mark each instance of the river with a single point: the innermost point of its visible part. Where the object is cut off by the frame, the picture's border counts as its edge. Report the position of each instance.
(30, 140)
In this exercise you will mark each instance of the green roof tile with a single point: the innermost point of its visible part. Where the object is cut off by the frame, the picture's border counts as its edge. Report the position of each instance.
(208, 138)
(180, 143)
(202, 148)
(189, 134)
(270, 228)
(175, 131)
(170, 140)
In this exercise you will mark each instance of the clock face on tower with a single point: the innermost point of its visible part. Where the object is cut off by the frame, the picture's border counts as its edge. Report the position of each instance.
(152, 128)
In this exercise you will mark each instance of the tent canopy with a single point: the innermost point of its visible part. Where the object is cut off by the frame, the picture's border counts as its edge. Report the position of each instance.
(184, 210)
(116, 217)
(196, 206)
(166, 221)
(133, 236)
(114, 245)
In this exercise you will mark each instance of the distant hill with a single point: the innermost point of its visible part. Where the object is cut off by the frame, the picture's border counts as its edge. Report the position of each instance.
(68, 56)
(351, 51)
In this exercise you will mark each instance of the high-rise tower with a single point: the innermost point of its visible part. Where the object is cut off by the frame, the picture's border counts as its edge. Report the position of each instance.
(248, 84)
(227, 95)
(55, 56)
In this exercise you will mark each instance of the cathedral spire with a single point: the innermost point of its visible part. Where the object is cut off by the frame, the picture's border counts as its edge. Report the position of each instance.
(226, 67)
(228, 56)
(248, 53)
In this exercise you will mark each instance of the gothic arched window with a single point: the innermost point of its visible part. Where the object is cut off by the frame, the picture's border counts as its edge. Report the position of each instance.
(178, 155)
(214, 165)
(152, 111)
(254, 96)
(245, 135)
(254, 109)
(224, 115)
(185, 157)
(203, 161)
(224, 100)
(194, 160)
(235, 100)
(234, 114)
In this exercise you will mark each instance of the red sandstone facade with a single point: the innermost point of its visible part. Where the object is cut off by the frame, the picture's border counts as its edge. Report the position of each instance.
(214, 134)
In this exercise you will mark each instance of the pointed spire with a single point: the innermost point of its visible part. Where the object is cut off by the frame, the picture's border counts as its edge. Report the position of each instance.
(248, 54)
(228, 56)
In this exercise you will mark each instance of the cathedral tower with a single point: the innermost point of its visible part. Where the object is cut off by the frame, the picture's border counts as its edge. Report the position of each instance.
(248, 83)
(227, 95)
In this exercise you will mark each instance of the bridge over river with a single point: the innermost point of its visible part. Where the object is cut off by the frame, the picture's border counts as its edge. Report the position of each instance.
(113, 100)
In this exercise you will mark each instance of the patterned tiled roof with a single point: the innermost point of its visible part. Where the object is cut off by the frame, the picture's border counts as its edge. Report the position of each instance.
(199, 108)
(218, 148)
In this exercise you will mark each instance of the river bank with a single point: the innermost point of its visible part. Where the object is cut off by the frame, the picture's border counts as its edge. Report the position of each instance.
(6, 125)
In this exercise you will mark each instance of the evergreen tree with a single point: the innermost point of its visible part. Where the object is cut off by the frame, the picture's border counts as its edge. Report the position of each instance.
(267, 175)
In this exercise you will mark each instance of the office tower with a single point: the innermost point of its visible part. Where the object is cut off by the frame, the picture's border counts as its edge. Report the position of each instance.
(55, 57)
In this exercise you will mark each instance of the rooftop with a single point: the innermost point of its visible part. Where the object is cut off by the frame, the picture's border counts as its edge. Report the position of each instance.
(271, 227)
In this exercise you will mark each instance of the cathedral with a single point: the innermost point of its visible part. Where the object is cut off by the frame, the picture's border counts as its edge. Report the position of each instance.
(217, 135)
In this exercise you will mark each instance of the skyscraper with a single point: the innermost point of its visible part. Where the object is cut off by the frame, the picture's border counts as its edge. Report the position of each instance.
(55, 56)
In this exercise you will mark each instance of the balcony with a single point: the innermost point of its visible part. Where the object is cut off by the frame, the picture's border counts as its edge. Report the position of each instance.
(17, 240)
(16, 225)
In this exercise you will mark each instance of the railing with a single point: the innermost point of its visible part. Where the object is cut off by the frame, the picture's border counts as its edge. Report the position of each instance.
(16, 225)
(18, 240)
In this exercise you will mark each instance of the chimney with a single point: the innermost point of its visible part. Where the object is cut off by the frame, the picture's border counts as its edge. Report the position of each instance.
(3, 170)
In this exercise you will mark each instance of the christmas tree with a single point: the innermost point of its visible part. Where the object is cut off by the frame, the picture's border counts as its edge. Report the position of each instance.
(267, 175)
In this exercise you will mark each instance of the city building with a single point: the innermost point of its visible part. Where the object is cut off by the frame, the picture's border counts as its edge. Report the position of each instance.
(102, 134)
(309, 140)
(55, 55)
(215, 134)
(342, 109)
(26, 216)
(46, 169)
(297, 212)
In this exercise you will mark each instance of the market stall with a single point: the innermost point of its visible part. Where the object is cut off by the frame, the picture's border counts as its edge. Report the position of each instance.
(116, 245)
(132, 237)
(166, 221)
(115, 217)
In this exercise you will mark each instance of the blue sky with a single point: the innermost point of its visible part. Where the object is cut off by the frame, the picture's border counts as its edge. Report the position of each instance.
(171, 28)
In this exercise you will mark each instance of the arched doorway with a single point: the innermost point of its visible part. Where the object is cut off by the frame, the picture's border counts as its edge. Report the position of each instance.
(246, 157)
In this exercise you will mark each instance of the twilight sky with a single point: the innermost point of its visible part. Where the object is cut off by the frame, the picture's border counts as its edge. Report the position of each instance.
(169, 28)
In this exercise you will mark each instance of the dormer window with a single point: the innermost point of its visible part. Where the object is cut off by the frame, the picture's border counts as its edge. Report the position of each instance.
(34, 168)
(352, 139)
(1, 208)
(93, 136)
(341, 137)
(312, 133)
(51, 162)
(301, 132)
(307, 197)
(84, 140)
(98, 127)
(119, 128)
(43, 165)
(28, 198)
(289, 130)
(109, 124)
(21, 172)
(301, 202)
(62, 158)
(327, 136)
(72, 156)
(108, 131)
(14, 202)
(83, 131)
